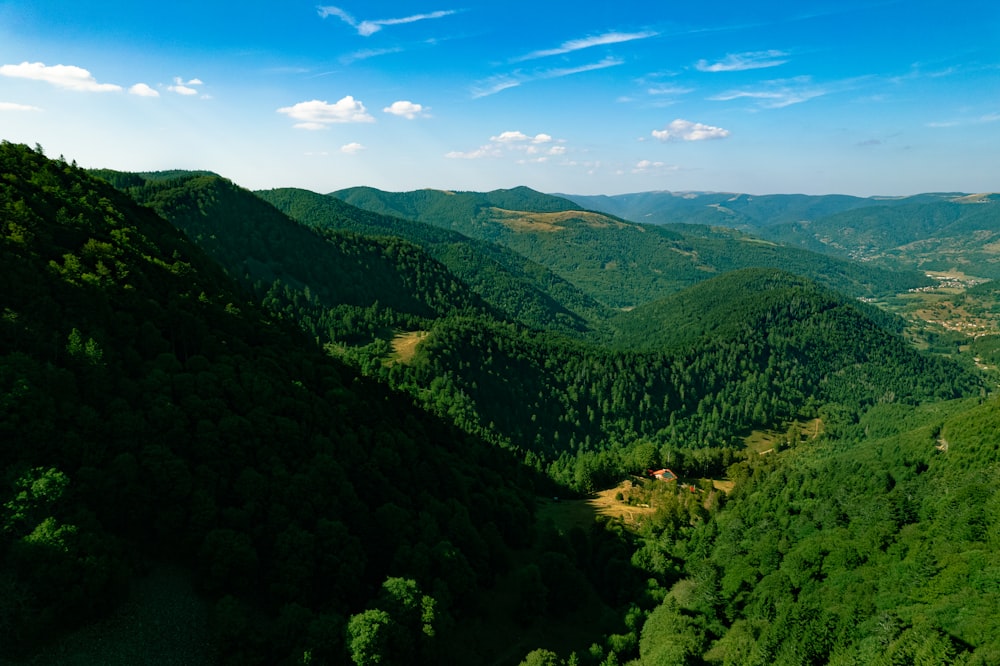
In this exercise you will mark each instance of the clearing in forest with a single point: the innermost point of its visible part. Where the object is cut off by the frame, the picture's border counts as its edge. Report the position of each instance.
(768, 441)
(404, 345)
(569, 513)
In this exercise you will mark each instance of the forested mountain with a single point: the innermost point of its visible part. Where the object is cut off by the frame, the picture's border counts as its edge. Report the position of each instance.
(954, 235)
(329, 280)
(935, 231)
(621, 264)
(526, 291)
(166, 415)
(739, 211)
(686, 382)
(151, 414)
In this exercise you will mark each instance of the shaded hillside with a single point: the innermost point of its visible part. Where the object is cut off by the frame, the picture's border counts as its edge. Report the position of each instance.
(514, 285)
(623, 264)
(317, 276)
(150, 413)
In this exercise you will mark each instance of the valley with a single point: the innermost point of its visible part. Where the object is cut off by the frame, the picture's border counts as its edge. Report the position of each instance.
(373, 427)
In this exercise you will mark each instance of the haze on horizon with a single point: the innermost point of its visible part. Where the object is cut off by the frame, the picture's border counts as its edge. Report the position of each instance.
(862, 97)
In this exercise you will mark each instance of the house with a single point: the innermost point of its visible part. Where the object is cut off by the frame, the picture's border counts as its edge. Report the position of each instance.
(662, 474)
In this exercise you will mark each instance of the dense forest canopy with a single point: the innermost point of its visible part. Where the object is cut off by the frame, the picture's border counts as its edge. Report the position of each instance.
(333, 436)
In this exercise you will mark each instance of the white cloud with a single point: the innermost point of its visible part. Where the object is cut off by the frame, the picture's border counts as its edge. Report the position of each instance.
(739, 62)
(316, 114)
(669, 90)
(586, 43)
(11, 106)
(182, 87)
(520, 137)
(352, 148)
(70, 77)
(489, 150)
(366, 28)
(514, 142)
(495, 84)
(142, 90)
(368, 53)
(685, 130)
(405, 109)
(645, 166)
(777, 94)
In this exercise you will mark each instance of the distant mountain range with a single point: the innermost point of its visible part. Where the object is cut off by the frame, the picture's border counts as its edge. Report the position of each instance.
(933, 231)
(619, 263)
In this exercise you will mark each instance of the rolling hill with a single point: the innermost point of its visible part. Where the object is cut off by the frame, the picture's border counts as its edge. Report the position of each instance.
(933, 231)
(526, 291)
(620, 264)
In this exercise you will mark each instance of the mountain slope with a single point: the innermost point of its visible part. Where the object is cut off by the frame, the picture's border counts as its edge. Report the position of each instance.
(697, 371)
(524, 290)
(619, 263)
(152, 414)
(739, 211)
(318, 276)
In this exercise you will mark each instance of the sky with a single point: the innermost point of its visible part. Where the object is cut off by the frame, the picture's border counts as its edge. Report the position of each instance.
(862, 97)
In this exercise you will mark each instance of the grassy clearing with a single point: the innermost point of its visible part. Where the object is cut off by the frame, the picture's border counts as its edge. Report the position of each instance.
(404, 346)
(567, 514)
(767, 441)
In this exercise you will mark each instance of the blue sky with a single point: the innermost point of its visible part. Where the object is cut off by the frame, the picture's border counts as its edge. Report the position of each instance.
(841, 96)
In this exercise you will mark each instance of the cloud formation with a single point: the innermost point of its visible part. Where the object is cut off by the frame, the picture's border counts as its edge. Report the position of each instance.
(352, 148)
(537, 148)
(11, 106)
(645, 166)
(69, 77)
(406, 109)
(586, 43)
(685, 130)
(367, 28)
(143, 90)
(739, 62)
(495, 84)
(778, 93)
(182, 87)
(317, 115)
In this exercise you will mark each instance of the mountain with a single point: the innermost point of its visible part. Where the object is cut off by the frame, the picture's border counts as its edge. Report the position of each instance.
(693, 373)
(620, 264)
(933, 231)
(154, 419)
(738, 211)
(960, 234)
(522, 289)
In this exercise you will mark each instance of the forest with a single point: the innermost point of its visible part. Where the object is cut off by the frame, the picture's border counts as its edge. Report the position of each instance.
(203, 407)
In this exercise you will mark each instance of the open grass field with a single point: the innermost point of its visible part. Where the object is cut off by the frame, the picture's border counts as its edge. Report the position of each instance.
(404, 346)
(767, 441)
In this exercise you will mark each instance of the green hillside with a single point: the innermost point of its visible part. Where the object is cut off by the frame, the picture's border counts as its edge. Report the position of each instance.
(152, 416)
(619, 263)
(770, 346)
(933, 231)
(186, 476)
(524, 290)
(319, 277)
(739, 211)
